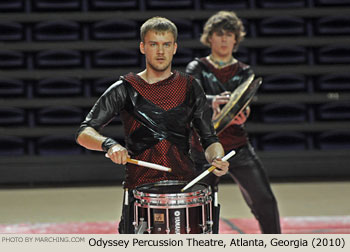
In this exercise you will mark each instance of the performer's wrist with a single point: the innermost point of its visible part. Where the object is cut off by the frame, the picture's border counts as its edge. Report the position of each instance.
(108, 143)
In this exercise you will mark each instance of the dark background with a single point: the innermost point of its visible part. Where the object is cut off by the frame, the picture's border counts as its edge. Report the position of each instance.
(57, 57)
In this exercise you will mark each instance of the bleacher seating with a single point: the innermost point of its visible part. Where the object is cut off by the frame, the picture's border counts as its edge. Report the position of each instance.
(282, 26)
(114, 29)
(12, 5)
(164, 4)
(10, 116)
(284, 83)
(281, 4)
(186, 29)
(339, 111)
(57, 31)
(11, 88)
(109, 5)
(57, 145)
(284, 141)
(62, 115)
(12, 146)
(333, 82)
(116, 58)
(11, 31)
(100, 85)
(332, 140)
(283, 55)
(332, 2)
(284, 113)
(245, 55)
(182, 57)
(55, 87)
(334, 55)
(333, 25)
(12, 59)
(225, 5)
(58, 57)
(60, 5)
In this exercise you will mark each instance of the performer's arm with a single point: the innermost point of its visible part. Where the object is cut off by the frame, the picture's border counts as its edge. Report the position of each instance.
(213, 154)
(104, 110)
(194, 69)
(203, 125)
(92, 140)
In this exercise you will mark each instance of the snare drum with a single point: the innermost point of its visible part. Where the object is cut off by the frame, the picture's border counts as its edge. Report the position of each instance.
(161, 208)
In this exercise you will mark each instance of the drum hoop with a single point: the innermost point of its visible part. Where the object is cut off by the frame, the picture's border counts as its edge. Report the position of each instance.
(148, 205)
(172, 195)
(204, 192)
(166, 200)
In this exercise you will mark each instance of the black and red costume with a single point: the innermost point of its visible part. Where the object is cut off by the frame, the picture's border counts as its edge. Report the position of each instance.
(245, 167)
(157, 121)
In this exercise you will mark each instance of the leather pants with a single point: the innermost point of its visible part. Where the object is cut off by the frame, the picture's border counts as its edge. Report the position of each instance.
(247, 171)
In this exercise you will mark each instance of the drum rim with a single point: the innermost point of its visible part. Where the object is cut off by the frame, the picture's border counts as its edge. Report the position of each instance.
(172, 206)
(206, 192)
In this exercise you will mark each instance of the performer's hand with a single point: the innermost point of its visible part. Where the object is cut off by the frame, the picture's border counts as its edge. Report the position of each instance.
(118, 154)
(241, 117)
(218, 100)
(221, 167)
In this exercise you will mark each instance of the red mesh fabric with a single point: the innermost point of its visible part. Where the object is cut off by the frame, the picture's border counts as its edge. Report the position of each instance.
(166, 94)
(130, 124)
(163, 153)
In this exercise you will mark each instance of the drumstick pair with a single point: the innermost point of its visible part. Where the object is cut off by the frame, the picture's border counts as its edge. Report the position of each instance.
(146, 164)
(167, 169)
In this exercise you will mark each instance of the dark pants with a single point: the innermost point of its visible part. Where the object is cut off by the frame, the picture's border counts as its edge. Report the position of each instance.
(127, 218)
(247, 171)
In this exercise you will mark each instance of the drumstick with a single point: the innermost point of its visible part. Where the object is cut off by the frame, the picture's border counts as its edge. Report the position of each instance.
(149, 165)
(146, 164)
(206, 172)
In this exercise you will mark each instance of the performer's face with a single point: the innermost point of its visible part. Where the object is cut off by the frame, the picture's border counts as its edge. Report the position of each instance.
(222, 43)
(159, 48)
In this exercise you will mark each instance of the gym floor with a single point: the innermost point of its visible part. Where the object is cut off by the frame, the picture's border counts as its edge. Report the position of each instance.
(35, 206)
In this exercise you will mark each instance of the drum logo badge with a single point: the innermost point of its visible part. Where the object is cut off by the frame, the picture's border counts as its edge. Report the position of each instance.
(158, 217)
(177, 222)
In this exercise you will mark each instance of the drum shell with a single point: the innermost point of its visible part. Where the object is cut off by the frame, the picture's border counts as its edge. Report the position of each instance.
(186, 212)
(176, 221)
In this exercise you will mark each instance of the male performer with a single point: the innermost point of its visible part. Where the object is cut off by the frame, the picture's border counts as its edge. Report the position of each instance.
(157, 107)
(220, 74)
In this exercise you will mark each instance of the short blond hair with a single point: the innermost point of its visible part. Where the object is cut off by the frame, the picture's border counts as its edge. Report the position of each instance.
(158, 24)
(223, 20)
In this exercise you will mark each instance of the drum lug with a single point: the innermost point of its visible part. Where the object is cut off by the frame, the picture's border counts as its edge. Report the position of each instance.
(140, 229)
(188, 229)
(210, 227)
(204, 228)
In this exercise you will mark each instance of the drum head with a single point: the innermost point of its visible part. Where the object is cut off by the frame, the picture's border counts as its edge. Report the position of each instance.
(168, 193)
(169, 187)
